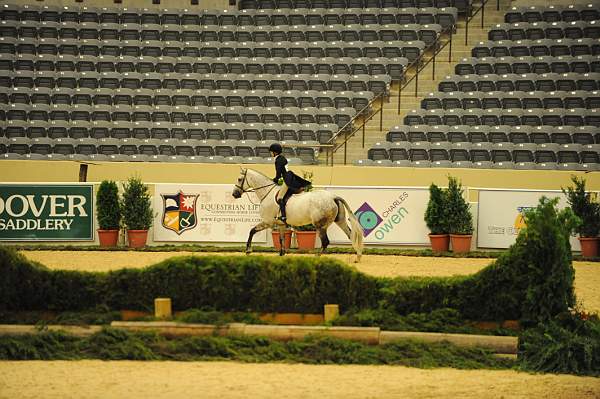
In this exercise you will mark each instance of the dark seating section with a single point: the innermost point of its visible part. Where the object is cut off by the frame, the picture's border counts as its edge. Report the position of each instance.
(272, 4)
(513, 99)
(519, 65)
(156, 141)
(537, 48)
(293, 71)
(545, 30)
(527, 99)
(577, 12)
(519, 147)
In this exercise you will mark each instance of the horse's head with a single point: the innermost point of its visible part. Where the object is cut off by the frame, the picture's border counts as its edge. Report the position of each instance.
(242, 185)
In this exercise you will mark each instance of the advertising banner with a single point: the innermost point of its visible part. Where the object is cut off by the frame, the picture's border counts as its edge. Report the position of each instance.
(203, 212)
(501, 215)
(46, 212)
(390, 215)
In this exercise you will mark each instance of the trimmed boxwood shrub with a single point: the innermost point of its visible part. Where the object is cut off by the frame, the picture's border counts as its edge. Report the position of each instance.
(584, 208)
(108, 209)
(567, 344)
(26, 285)
(458, 211)
(136, 205)
(254, 283)
(436, 214)
(531, 282)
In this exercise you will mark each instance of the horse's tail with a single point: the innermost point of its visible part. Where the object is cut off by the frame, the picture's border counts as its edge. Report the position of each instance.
(357, 233)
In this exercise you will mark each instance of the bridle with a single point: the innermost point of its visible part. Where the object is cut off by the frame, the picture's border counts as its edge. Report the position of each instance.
(252, 190)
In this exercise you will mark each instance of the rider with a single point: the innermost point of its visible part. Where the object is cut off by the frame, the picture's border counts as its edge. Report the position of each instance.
(292, 183)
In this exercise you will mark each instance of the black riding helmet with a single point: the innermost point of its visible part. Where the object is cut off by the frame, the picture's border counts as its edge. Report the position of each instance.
(276, 148)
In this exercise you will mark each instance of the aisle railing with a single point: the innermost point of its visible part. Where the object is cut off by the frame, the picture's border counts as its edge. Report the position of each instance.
(349, 130)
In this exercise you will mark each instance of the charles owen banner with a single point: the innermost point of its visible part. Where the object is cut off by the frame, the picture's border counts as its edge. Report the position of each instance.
(387, 215)
(46, 212)
(203, 212)
(501, 215)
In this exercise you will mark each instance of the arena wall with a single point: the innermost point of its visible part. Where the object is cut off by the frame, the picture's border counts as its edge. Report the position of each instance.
(165, 173)
(150, 172)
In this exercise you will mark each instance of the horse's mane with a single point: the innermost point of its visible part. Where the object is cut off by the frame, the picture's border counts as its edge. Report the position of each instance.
(259, 173)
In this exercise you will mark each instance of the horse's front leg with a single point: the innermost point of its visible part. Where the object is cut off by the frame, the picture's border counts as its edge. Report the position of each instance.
(254, 230)
(281, 239)
(324, 240)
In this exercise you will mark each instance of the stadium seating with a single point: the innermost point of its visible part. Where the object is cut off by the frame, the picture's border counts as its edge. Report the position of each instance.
(519, 65)
(575, 12)
(275, 70)
(527, 99)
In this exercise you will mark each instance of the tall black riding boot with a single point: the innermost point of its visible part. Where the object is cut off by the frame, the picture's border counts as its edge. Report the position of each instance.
(282, 203)
(282, 209)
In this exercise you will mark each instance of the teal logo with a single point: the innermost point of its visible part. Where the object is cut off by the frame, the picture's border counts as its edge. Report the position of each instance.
(368, 218)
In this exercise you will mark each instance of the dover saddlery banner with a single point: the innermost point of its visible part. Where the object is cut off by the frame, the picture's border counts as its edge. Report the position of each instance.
(500, 215)
(203, 212)
(390, 215)
(46, 212)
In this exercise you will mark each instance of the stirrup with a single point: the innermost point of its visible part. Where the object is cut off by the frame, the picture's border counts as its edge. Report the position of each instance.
(282, 219)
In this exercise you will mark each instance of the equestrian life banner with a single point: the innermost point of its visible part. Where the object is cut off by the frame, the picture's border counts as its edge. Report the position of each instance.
(46, 212)
(203, 212)
(390, 215)
(501, 215)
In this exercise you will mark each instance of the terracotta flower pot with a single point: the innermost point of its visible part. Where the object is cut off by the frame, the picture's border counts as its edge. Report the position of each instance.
(108, 238)
(287, 239)
(589, 246)
(137, 238)
(439, 242)
(306, 239)
(461, 243)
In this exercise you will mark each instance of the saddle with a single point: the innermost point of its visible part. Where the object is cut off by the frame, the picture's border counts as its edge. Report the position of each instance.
(291, 190)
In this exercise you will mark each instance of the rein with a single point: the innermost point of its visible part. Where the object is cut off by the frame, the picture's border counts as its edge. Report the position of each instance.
(253, 190)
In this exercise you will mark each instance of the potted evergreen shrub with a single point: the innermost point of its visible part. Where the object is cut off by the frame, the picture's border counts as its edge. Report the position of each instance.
(137, 211)
(436, 218)
(108, 212)
(589, 212)
(306, 235)
(460, 221)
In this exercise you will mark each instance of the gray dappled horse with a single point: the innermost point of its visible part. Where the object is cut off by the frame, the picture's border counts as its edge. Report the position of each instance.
(320, 208)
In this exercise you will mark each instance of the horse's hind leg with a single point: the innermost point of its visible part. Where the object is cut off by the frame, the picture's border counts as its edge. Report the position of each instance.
(254, 230)
(324, 239)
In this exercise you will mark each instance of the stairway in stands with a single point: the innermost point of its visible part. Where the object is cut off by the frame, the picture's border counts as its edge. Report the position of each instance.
(427, 83)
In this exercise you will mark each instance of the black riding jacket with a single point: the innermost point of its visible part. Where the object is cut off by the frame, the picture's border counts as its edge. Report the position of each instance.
(290, 178)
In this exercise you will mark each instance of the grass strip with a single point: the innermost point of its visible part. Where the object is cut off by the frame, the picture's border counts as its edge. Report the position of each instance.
(115, 344)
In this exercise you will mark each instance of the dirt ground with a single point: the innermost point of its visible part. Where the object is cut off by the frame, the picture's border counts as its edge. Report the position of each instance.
(97, 379)
(124, 379)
